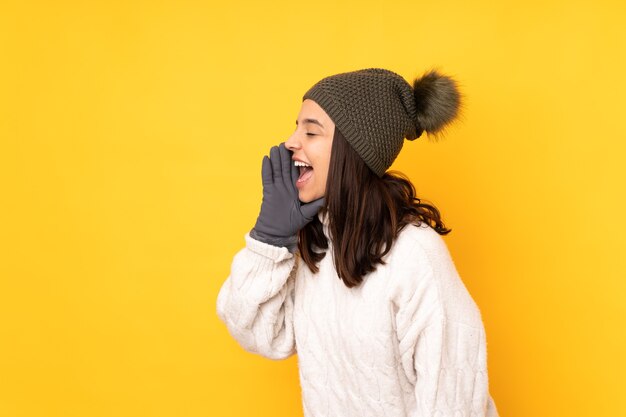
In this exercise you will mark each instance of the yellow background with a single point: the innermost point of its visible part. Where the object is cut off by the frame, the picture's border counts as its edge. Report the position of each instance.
(132, 135)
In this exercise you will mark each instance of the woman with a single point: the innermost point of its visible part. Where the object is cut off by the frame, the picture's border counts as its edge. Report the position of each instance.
(346, 267)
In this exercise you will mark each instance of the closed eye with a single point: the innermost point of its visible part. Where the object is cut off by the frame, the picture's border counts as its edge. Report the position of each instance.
(310, 134)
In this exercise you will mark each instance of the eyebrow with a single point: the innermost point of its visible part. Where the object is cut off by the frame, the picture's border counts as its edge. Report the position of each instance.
(314, 121)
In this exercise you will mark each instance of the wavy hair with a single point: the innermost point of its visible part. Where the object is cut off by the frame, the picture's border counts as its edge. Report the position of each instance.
(366, 214)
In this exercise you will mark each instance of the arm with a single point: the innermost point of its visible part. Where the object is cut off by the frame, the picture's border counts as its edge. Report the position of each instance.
(442, 341)
(256, 300)
(449, 364)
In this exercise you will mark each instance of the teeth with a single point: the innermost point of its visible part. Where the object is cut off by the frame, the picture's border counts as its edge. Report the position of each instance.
(301, 164)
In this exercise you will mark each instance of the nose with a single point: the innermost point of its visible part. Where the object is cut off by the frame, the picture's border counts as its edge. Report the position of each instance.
(292, 143)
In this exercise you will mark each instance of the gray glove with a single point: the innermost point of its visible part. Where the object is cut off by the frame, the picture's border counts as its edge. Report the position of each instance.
(282, 213)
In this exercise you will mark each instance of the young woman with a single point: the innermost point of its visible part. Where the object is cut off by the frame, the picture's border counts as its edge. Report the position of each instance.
(346, 267)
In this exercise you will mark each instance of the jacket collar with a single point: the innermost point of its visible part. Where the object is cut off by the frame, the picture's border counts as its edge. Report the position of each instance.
(323, 218)
(325, 224)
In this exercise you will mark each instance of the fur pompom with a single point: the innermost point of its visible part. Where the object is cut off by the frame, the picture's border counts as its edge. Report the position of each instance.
(438, 101)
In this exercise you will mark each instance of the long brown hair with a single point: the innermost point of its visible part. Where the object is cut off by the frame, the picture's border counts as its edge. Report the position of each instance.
(366, 214)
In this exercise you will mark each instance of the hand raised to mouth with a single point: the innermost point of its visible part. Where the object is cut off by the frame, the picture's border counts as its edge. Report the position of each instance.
(282, 213)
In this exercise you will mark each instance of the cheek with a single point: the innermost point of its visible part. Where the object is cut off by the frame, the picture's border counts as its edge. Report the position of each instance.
(326, 168)
(322, 177)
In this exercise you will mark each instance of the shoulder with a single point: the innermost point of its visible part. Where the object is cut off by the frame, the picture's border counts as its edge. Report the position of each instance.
(421, 243)
(418, 251)
(421, 263)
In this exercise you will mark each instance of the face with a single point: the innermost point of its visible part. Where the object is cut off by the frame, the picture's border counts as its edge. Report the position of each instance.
(311, 143)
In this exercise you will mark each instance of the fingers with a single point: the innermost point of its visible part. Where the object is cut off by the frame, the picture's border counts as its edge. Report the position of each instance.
(287, 168)
(285, 160)
(266, 172)
(295, 174)
(275, 159)
(309, 210)
(279, 167)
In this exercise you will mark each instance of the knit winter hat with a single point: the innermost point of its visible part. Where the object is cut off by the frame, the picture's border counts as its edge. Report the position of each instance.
(375, 109)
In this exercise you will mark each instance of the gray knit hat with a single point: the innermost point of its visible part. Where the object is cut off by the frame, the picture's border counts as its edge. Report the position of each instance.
(375, 109)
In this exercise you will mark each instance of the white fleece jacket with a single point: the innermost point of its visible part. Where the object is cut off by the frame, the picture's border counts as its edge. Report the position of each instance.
(408, 342)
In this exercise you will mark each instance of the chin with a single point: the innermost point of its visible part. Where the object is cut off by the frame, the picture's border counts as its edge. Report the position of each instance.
(307, 197)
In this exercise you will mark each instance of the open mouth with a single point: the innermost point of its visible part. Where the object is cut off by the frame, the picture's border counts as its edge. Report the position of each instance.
(305, 173)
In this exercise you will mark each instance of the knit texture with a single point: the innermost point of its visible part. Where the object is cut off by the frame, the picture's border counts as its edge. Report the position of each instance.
(374, 108)
(409, 341)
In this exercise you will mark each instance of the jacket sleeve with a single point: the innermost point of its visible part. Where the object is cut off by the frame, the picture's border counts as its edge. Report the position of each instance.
(442, 341)
(256, 300)
(449, 362)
